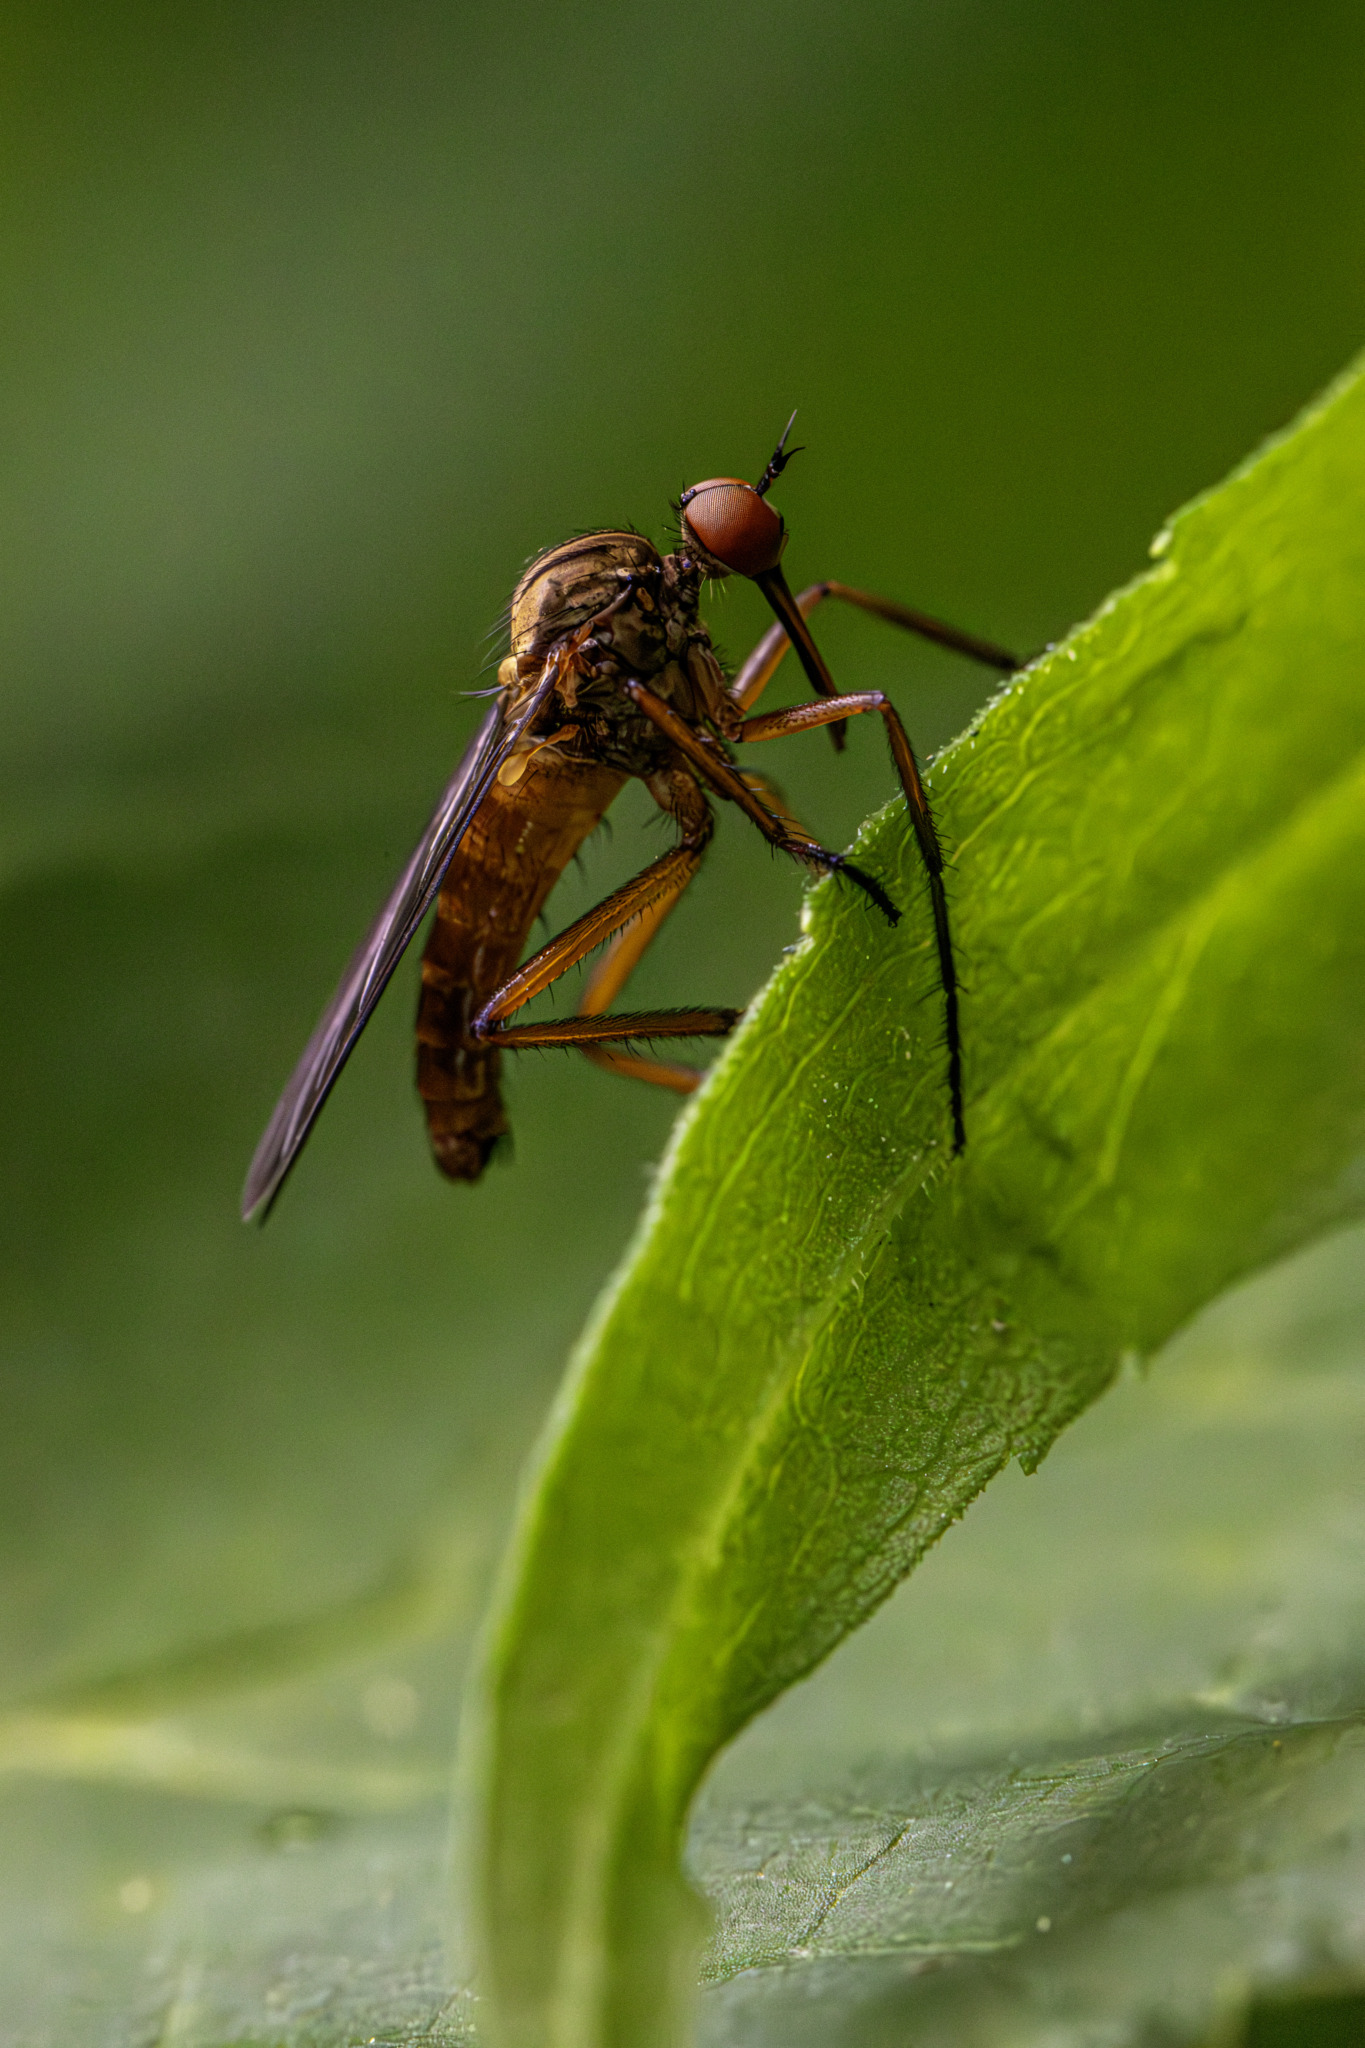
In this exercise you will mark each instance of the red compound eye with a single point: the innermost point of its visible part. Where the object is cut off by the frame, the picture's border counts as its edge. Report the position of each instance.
(731, 522)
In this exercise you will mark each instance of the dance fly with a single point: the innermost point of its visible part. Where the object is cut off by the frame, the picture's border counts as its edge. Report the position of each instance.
(611, 675)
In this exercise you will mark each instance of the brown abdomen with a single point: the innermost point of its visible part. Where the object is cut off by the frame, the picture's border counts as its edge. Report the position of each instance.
(519, 844)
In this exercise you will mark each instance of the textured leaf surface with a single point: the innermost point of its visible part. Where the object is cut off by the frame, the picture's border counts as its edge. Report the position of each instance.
(829, 1335)
(1123, 1700)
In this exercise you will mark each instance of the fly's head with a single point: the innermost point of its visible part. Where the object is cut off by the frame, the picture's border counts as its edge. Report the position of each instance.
(728, 526)
(730, 529)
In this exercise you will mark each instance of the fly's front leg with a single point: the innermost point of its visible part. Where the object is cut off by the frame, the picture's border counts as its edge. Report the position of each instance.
(779, 829)
(757, 672)
(801, 718)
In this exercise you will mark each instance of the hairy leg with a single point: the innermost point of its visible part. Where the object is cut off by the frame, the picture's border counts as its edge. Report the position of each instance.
(713, 766)
(629, 917)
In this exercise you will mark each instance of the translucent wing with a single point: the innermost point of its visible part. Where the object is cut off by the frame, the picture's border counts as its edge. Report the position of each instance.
(382, 948)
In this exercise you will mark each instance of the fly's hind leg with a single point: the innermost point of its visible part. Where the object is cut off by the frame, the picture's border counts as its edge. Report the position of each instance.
(630, 917)
(605, 983)
(678, 794)
(628, 948)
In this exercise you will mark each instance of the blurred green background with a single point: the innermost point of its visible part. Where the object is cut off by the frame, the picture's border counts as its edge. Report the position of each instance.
(316, 322)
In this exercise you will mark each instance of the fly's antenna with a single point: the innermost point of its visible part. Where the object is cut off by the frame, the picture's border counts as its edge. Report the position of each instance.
(777, 461)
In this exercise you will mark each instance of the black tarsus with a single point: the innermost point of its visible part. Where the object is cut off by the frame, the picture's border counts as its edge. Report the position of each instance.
(871, 886)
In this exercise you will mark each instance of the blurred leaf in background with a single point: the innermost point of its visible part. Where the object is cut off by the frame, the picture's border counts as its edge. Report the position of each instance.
(315, 324)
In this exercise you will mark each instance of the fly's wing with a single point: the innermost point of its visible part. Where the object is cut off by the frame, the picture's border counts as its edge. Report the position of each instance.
(382, 948)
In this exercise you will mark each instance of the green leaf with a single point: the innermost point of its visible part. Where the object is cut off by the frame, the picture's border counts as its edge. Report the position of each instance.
(1039, 1725)
(830, 1335)
(1124, 1699)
